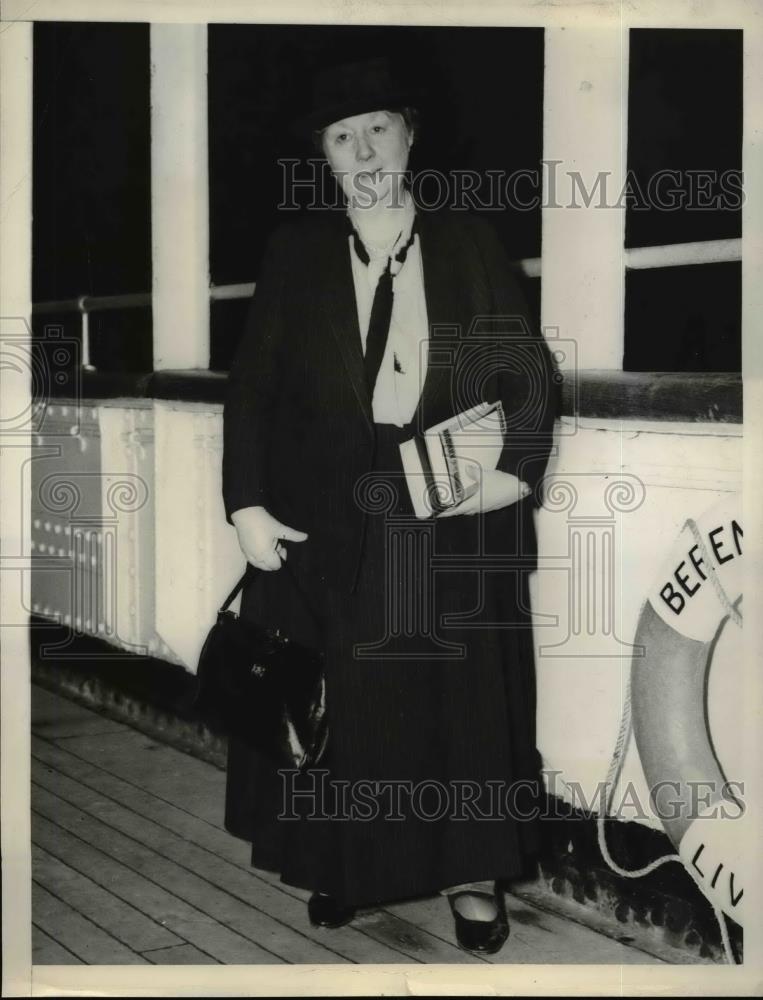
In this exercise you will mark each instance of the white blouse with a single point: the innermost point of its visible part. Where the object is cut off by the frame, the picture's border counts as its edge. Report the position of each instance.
(403, 367)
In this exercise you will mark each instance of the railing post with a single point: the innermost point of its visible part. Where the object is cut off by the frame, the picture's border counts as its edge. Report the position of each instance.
(584, 131)
(179, 195)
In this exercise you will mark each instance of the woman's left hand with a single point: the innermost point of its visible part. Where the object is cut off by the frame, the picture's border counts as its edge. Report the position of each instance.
(491, 490)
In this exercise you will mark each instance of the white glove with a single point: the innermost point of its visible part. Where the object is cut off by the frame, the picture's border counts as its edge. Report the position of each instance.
(491, 489)
(260, 536)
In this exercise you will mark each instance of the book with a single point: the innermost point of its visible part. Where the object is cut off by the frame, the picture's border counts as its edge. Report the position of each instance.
(435, 461)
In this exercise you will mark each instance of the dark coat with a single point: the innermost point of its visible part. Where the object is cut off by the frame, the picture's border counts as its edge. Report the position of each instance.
(299, 435)
(298, 424)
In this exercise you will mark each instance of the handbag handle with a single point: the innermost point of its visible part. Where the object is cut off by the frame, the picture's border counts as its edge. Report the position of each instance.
(235, 592)
(240, 584)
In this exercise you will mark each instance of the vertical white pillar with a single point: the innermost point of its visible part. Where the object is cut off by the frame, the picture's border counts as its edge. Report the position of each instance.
(585, 121)
(16, 422)
(179, 195)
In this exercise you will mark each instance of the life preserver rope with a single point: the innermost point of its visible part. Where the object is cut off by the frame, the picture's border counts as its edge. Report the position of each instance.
(669, 668)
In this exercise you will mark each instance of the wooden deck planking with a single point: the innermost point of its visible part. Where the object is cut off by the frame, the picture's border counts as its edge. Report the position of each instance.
(185, 921)
(186, 781)
(536, 936)
(201, 879)
(76, 933)
(412, 939)
(46, 951)
(58, 718)
(376, 936)
(118, 918)
(180, 954)
(129, 802)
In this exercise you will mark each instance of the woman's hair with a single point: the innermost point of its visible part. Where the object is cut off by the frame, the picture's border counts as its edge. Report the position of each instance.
(409, 115)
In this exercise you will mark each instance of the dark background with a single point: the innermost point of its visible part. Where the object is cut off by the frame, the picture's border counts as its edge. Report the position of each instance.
(91, 192)
(481, 110)
(261, 78)
(684, 113)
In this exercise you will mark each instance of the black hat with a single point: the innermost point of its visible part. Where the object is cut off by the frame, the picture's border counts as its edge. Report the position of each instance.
(354, 89)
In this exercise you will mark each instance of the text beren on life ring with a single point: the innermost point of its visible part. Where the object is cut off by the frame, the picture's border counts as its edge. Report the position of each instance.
(697, 592)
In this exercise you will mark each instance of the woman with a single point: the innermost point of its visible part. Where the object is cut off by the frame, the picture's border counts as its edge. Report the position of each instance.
(367, 326)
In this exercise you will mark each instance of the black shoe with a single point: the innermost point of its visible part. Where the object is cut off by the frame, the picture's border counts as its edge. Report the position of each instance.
(325, 911)
(487, 936)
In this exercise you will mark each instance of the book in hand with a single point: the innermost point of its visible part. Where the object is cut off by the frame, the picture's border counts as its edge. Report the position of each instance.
(435, 461)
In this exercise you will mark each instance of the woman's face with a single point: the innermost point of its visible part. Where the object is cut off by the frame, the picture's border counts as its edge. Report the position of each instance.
(368, 154)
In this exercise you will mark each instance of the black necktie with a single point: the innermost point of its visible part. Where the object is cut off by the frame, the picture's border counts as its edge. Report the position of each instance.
(381, 310)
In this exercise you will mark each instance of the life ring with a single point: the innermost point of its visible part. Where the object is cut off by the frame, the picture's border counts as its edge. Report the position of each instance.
(697, 592)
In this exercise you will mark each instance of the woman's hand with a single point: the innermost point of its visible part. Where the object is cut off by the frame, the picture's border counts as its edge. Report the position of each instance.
(260, 534)
(491, 489)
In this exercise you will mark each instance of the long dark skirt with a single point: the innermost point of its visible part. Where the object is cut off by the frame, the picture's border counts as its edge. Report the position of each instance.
(431, 764)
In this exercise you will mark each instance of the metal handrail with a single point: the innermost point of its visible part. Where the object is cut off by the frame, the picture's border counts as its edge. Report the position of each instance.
(217, 293)
(132, 300)
(684, 254)
(670, 255)
(93, 303)
(221, 293)
(84, 305)
(667, 255)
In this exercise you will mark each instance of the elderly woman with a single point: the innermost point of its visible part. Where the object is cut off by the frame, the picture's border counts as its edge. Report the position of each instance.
(370, 324)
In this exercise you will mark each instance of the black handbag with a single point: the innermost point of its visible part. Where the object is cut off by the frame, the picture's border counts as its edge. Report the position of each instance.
(257, 685)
